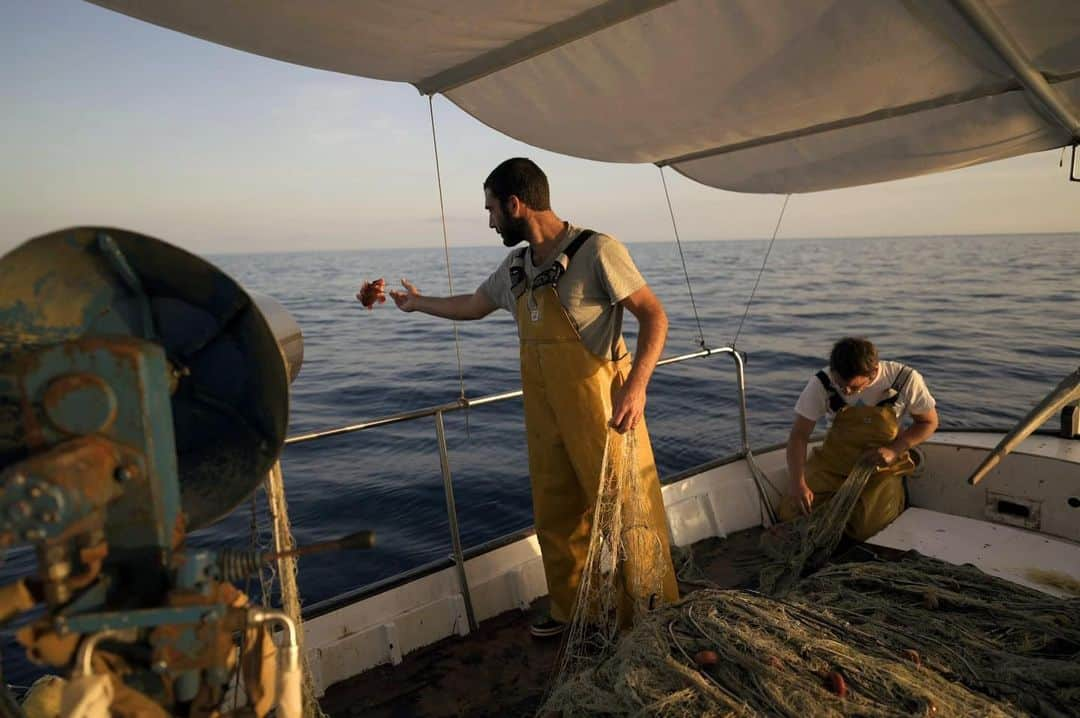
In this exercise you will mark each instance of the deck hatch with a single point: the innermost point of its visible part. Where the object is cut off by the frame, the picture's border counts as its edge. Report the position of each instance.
(1013, 510)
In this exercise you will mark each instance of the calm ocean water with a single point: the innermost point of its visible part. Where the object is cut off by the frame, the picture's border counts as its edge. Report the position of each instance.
(992, 322)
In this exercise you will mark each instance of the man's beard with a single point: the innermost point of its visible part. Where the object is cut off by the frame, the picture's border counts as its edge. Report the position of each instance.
(515, 232)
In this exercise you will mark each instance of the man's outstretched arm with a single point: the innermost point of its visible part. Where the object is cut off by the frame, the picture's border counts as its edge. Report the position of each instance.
(459, 307)
(628, 403)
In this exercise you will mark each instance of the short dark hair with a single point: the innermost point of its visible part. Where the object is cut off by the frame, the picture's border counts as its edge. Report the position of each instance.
(521, 177)
(852, 357)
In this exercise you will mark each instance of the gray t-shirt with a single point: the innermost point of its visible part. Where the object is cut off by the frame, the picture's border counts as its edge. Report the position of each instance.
(600, 275)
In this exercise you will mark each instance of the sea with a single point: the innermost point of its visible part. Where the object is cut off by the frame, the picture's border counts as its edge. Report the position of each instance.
(992, 323)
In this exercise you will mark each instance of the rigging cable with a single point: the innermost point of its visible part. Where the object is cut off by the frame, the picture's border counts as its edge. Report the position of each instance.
(755, 470)
(769, 517)
(446, 250)
(761, 271)
(686, 273)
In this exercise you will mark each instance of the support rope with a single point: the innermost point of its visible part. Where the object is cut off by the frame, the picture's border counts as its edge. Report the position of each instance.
(686, 273)
(286, 570)
(761, 271)
(446, 248)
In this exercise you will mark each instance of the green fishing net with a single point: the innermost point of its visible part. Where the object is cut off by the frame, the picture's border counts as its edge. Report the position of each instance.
(907, 637)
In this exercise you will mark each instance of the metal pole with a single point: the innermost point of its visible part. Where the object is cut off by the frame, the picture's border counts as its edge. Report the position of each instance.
(755, 470)
(741, 379)
(287, 583)
(451, 512)
(986, 24)
(458, 405)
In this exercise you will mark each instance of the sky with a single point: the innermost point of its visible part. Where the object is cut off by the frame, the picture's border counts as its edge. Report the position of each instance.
(111, 121)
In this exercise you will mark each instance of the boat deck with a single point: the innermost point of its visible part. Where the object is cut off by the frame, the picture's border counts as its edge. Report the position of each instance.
(500, 670)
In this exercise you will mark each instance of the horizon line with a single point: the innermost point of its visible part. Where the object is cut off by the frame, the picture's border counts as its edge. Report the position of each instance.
(494, 245)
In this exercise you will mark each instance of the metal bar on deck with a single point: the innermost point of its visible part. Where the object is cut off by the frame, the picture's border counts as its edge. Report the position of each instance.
(371, 424)
(465, 403)
(444, 459)
(451, 512)
(456, 406)
(740, 377)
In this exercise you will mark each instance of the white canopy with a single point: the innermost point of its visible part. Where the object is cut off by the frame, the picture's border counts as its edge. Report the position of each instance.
(748, 95)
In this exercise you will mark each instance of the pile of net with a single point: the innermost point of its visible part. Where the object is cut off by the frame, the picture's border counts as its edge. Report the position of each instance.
(805, 544)
(625, 565)
(912, 637)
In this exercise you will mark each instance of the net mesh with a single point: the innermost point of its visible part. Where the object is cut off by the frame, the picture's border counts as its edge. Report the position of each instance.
(912, 637)
(286, 577)
(805, 544)
(624, 566)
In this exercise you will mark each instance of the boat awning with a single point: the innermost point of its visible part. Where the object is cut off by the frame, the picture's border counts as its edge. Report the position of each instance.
(748, 95)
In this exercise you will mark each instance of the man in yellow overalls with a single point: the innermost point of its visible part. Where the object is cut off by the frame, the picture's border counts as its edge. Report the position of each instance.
(866, 400)
(567, 289)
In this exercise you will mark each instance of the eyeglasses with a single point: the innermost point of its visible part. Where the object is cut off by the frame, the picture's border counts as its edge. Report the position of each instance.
(855, 384)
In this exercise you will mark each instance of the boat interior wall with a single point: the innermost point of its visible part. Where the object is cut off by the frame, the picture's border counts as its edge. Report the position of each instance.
(387, 626)
(721, 500)
(1024, 557)
(1037, 487)
(756, 96)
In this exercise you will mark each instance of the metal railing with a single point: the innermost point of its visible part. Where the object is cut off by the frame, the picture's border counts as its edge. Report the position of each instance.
(466, 403)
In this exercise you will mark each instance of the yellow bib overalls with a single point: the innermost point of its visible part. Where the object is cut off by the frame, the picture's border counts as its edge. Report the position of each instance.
(854, 430)
(567, 407)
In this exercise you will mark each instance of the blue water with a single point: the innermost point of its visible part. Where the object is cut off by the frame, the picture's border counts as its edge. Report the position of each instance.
(992, 322)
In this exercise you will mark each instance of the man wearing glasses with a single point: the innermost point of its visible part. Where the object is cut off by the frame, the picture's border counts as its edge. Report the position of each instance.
(865, 401)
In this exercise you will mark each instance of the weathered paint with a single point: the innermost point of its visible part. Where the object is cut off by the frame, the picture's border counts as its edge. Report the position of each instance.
(61, 286)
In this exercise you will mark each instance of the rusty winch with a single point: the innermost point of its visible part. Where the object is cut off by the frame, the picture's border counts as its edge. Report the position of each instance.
(143, 395)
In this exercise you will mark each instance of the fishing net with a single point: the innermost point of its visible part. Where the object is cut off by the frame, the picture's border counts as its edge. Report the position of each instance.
(912, 637)
(625, 564)
(805, 544)
(287, 580)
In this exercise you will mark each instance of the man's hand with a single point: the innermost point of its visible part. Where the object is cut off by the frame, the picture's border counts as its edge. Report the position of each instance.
(372, 292)
(406, 301)
(802, 495)
(627, 407)
(880, 456)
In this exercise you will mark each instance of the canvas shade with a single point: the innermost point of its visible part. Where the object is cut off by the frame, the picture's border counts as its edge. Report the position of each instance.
(747, 95)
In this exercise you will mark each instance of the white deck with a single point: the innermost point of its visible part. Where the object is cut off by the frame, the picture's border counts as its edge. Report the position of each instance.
(1024, 557)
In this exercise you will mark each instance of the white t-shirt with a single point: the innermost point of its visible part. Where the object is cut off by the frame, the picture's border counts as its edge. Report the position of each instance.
(914, 397)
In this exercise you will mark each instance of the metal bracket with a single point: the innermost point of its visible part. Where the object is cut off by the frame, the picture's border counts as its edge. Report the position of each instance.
(1073, 177)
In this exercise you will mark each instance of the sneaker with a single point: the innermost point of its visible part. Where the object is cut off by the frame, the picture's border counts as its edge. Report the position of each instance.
(547, 627)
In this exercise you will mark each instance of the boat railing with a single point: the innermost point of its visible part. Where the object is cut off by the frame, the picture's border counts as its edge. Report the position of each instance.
(464, 403)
